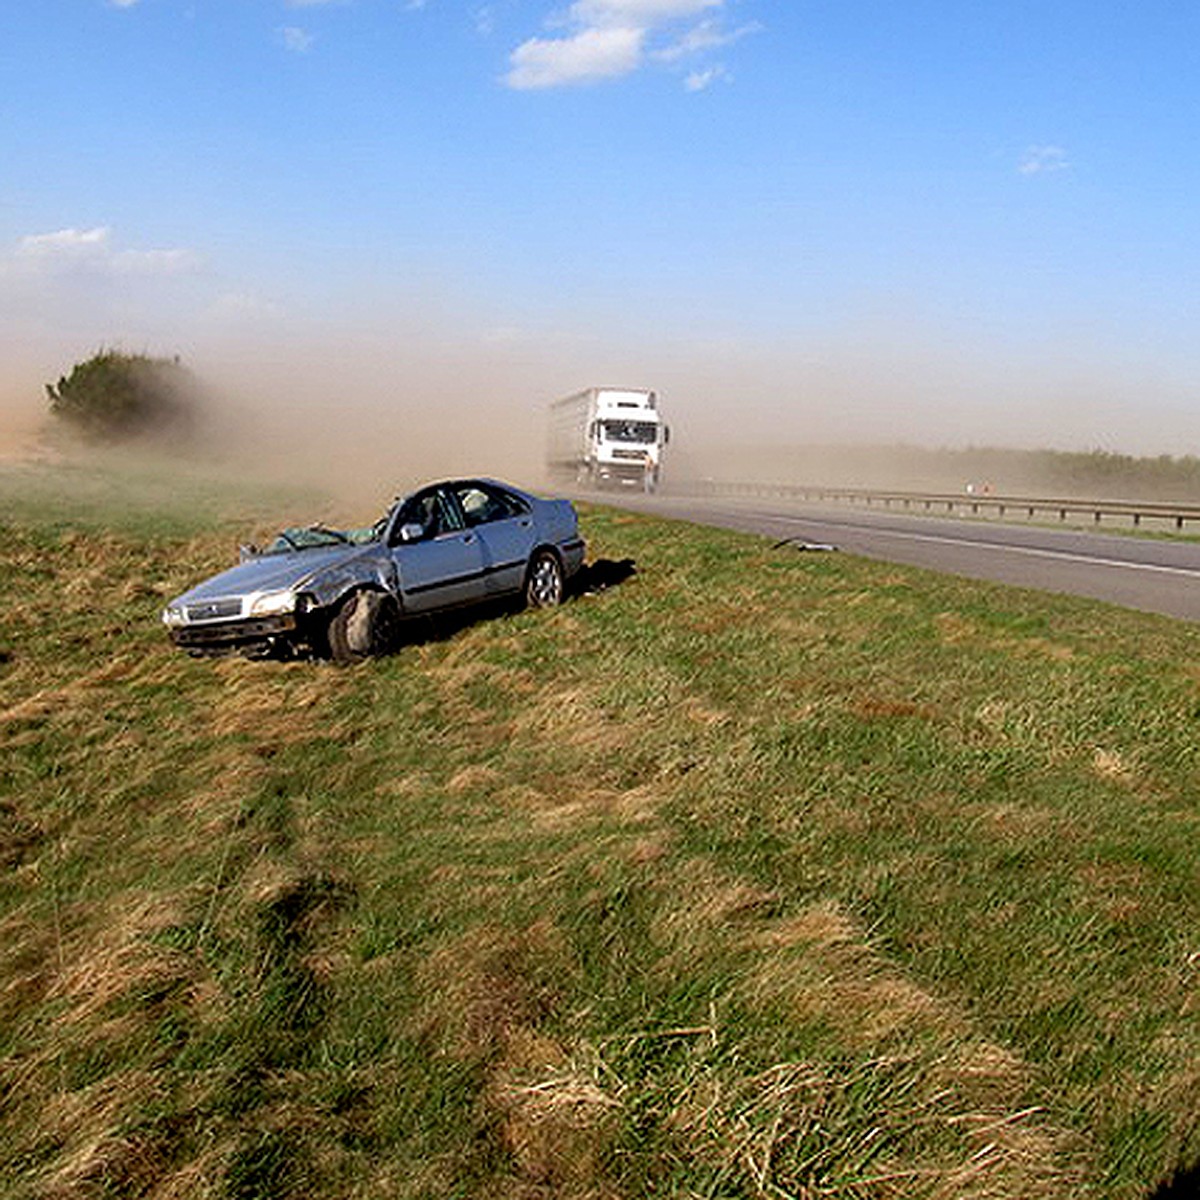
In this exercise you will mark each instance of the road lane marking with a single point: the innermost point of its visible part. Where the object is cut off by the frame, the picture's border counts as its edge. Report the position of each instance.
(1029, 551)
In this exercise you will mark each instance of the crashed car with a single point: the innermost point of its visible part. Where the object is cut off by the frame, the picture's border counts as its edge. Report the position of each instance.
(343, 594)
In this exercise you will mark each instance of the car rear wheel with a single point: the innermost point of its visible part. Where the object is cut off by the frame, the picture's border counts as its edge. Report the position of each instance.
(544, 583)
(366, 625)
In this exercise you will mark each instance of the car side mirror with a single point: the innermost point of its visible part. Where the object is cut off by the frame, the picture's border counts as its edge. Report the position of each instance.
(247, 551)
(410, 531)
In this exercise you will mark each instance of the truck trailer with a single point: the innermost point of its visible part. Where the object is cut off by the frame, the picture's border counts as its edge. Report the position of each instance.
(608, 437)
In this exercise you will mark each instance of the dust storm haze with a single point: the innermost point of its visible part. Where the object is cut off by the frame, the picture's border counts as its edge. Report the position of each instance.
(365, 411)
(369, 413)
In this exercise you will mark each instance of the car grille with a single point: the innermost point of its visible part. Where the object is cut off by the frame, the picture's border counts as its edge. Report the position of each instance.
(242, 632)
(214, 610)
(629, 454)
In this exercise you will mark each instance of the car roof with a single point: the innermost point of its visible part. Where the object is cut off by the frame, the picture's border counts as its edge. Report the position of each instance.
(470, 479)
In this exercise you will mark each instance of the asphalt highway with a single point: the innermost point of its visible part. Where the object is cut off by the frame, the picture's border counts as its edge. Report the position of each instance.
(1160, 576)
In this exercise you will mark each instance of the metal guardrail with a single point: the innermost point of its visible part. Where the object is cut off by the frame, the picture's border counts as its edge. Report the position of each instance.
(968, 502)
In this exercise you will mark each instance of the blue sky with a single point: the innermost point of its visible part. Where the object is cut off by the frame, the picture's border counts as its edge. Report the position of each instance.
(945, 221)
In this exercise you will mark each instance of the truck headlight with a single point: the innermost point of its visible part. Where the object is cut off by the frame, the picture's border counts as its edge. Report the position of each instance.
(174, 614)
(272, 604)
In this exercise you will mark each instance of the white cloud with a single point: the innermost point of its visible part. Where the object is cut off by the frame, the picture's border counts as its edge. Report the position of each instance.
(641, 13)
(606, 39)
(64, 245)
(707, 35)
(1039, 160)
(697, 81)
(67, 251)
(295, 39)
(585, 57)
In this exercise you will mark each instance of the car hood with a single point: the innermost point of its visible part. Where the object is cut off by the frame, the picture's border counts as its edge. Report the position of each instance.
(273, 572)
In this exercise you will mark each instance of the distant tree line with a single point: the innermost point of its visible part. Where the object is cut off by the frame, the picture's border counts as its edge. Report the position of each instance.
(1091, 474)
(114, 396)
(1102, 473)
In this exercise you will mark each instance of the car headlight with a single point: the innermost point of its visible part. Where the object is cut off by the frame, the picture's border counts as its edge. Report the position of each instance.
(272, 604)
(174, 614)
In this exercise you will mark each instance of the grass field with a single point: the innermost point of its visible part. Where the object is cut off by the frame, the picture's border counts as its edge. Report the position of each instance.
(763, 874)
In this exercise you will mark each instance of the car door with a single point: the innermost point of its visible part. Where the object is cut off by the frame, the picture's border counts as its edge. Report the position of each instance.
(444, 566)
(506, 533)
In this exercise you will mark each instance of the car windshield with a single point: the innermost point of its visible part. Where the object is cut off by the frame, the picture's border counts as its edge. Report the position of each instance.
(642, 432)
(308, 536)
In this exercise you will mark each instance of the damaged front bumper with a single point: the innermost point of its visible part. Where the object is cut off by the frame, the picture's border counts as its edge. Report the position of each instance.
(255, 636)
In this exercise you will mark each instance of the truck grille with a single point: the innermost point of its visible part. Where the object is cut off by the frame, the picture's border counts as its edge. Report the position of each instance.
(638, 454)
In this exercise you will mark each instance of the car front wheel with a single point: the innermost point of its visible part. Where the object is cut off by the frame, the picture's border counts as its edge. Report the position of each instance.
(364, 626)
(544, 583)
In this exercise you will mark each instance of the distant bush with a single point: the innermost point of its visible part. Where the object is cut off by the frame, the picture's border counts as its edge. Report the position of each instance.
(116, 397)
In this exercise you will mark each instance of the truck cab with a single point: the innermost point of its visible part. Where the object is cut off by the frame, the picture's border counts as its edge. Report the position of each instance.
(609, 437)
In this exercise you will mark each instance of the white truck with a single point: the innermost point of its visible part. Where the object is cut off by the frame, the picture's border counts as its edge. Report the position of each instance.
(608, 436)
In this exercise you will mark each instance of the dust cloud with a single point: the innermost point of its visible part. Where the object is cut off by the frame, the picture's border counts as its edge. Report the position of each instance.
(22, 407)
(366, 411)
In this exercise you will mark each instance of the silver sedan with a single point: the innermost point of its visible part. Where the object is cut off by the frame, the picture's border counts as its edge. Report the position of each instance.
(344, 593)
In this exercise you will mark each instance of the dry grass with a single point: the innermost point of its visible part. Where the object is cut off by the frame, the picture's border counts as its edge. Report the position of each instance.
(831, 881)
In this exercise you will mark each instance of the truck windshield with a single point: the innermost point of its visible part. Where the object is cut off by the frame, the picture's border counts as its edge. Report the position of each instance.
(642, 432)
